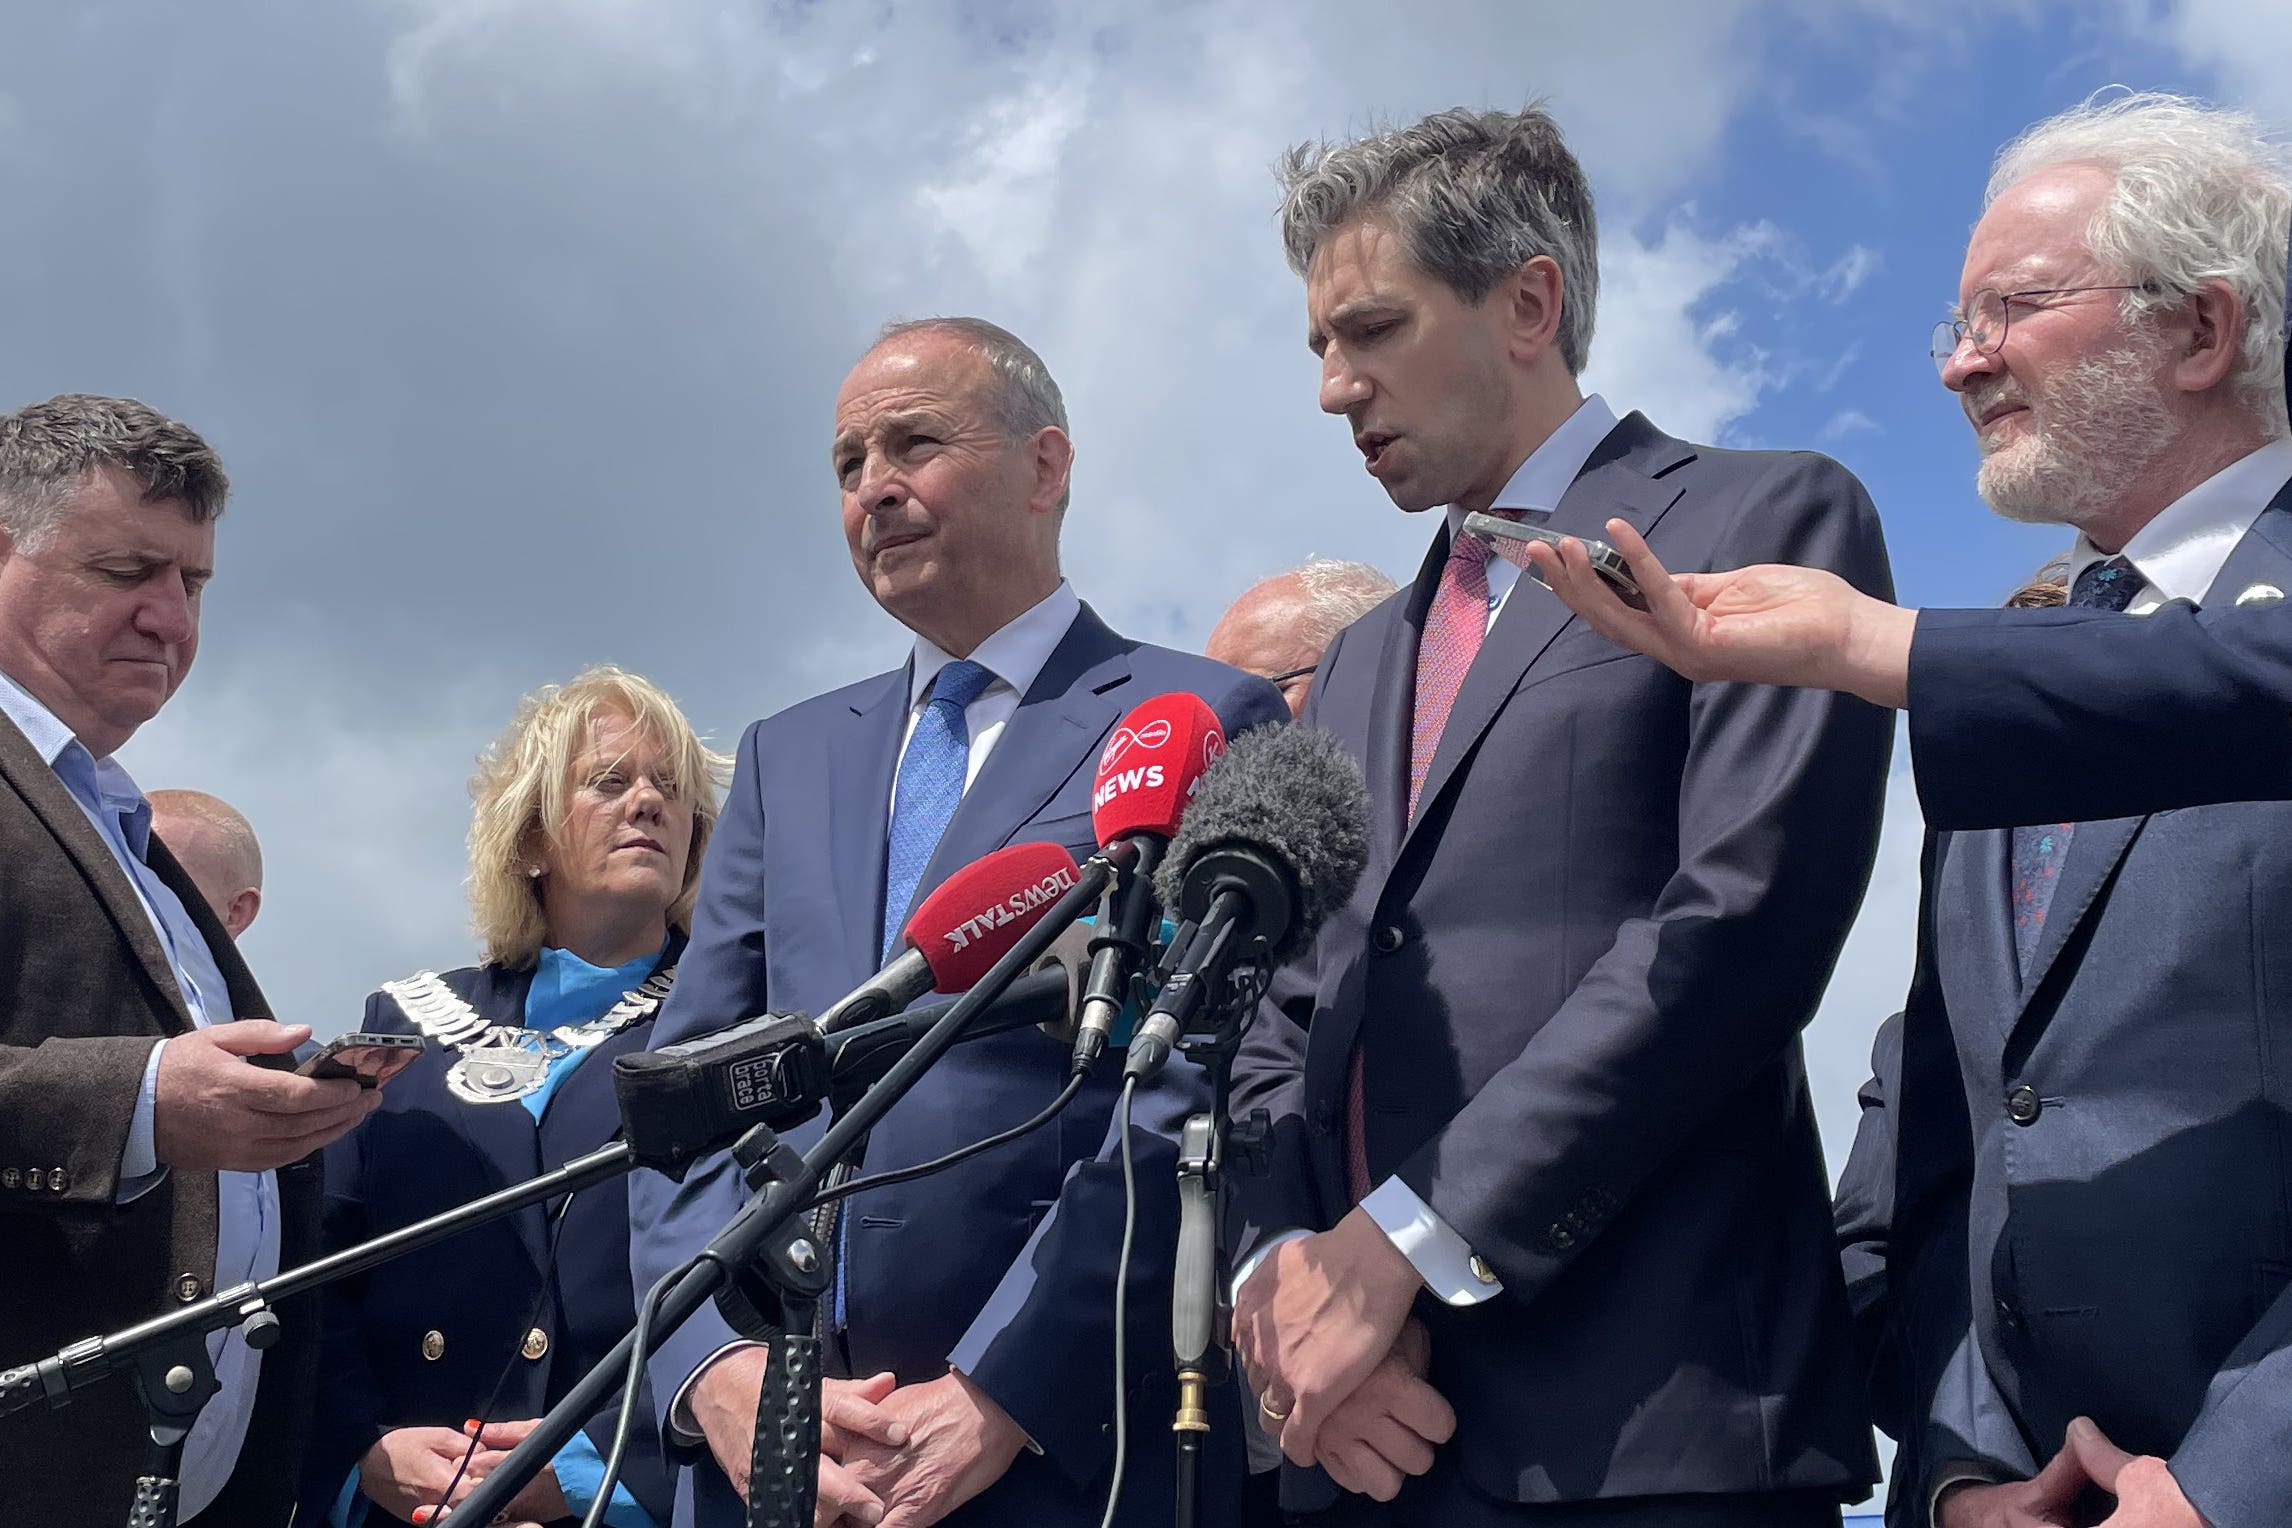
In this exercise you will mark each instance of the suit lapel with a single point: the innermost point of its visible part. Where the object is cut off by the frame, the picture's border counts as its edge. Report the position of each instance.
(1619, 481)
(2262, 556)
(1393, 706)
(24, 769)
(863, 753)
(1053, 733)
(1975, 921)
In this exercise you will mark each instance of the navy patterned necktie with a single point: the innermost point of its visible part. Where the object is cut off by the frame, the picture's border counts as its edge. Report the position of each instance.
(930, 787)
(2038, 851)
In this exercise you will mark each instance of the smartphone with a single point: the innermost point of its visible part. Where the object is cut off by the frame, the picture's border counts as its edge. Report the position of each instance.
(368, 1060)
(1606, 560)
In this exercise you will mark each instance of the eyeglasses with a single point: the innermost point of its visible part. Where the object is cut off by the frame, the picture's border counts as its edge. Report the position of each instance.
(1988, 315)
(1284, 680)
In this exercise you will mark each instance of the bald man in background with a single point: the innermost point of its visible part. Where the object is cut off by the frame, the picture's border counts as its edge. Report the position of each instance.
(1281, 625)
(216, 846)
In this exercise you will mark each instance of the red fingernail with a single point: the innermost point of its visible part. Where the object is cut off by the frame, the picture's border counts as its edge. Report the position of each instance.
(472, 1425)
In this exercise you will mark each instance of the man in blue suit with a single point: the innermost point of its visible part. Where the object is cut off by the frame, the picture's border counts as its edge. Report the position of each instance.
(2088, 1094)
(971, 1319)
(1541, 1123)
(2008, 707)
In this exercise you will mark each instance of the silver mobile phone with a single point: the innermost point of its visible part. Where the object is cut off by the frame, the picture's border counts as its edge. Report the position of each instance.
(1606, 560)
(366, 1059)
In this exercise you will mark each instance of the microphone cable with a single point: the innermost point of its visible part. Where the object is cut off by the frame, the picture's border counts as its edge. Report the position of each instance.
(1122, 1311)
(632, 1387)
(885, 1179)
(509, 1367)
(649, 1308)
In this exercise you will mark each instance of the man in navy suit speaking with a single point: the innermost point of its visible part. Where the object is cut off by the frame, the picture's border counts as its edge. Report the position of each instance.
(970, 1321)
(1540, 1115)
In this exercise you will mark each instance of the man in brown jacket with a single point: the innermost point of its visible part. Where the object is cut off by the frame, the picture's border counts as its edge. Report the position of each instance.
(153, 1138)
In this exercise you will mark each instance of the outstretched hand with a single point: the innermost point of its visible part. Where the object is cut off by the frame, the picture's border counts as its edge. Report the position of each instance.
(1766, 624)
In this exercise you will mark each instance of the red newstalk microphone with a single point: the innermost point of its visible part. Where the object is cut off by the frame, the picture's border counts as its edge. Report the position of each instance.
(961, 929)
(1145, 778)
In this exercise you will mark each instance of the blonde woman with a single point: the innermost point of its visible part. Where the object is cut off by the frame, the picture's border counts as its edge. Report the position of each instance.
(592, 812)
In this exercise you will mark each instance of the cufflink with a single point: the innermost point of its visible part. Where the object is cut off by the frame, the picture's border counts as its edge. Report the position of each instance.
(433, 1346)
(2260, 594)
(536, 1345)
(1481, 1270)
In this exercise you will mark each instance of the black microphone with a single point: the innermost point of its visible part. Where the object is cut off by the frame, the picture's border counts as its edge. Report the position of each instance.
(680, 1102)
(1275, 840)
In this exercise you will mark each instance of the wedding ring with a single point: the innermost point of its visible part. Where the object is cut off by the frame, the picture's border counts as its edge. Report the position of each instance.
(1271, 1415)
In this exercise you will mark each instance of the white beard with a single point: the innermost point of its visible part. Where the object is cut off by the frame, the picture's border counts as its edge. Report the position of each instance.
(2091, 431)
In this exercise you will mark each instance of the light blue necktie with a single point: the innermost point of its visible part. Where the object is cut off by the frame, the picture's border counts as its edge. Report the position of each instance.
(930, 787)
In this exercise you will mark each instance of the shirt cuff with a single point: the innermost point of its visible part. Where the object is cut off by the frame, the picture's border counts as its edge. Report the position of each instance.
(139, 1169)
(1264, 1250)
(1443, 1259)
(580, 1471)
(681, 1426)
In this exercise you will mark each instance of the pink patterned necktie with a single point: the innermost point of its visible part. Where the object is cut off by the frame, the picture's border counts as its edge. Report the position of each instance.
(1455, 625)
(1454, 628)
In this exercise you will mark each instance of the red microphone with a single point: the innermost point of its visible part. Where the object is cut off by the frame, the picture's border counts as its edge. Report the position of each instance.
(1145, 779)
(959, 931)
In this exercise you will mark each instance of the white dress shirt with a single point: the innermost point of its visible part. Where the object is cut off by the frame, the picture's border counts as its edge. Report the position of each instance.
(246, 1204)
(1442, 1258)
(2182, 550)
(1014, 655)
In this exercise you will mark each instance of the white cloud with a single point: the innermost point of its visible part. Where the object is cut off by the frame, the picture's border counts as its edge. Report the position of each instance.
(1847, 422)
(1658, 349)
(1847, 274)
(2247, 43)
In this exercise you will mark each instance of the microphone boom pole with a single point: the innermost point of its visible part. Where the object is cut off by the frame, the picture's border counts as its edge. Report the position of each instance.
(772, 1213)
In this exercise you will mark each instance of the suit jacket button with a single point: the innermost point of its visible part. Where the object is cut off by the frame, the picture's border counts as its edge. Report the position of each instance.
(1387, 938)
(9, 1177)
(536, 1345)
(1324, 1119)
(57, 1180)
(2008, 1317)
(33, 1179)
(433, 1345)
(2023, 1105)
(188, 1287)
(1560, 1237)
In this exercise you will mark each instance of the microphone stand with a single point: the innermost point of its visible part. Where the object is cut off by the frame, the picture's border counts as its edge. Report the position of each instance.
(169, 1353)
(765, 1271)
(1209, 1148)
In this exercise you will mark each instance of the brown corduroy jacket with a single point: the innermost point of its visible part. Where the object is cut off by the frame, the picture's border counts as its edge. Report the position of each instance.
(85, 990)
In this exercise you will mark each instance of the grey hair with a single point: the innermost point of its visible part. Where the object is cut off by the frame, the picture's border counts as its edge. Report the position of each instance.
(2201, 195)
(1340, 593)
(1027, 399)
(1475, 195)
(48, 449)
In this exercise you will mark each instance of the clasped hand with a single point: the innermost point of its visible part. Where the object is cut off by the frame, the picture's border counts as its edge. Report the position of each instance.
(2147, 1494)
(898, 1456)
(1323, 1328)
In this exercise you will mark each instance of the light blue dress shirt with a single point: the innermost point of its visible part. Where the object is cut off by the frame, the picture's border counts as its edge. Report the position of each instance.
(246, 1204)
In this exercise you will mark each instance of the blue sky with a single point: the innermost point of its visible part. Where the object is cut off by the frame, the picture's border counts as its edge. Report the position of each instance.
(518, 324)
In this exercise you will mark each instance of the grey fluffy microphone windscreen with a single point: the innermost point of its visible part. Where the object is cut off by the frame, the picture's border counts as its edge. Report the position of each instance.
(1290, 797)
